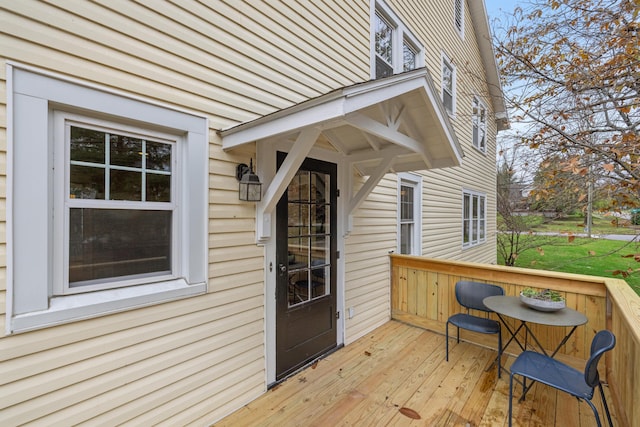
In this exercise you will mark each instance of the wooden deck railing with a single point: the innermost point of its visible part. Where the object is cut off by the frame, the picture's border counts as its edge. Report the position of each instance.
(422, 293)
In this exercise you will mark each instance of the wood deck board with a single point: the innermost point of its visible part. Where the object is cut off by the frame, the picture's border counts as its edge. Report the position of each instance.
(367, 384)
(396, 366)
(400, 397)
(392, 392)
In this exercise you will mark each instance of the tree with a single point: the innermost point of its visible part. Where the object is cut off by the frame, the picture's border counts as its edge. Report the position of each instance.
(557, 190)
(510, 226)
(514, 230)
(572, 71)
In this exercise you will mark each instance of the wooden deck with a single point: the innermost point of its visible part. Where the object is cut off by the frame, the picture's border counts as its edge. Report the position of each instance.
(399, 371)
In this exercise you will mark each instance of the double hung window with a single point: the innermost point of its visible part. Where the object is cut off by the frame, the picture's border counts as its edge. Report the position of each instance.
(108, 202)
(474, 220)
(119, 209)
(394, 48)
(409, 214)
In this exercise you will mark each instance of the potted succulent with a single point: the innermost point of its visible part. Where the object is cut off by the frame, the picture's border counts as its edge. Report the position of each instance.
(545, 300)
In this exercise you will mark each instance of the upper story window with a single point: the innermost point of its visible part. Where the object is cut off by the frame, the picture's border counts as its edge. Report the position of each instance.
(394, 49)
(448, 85)
(458, 16)
(474, 218)
(409, 214)
(479, 121)
(383, 47)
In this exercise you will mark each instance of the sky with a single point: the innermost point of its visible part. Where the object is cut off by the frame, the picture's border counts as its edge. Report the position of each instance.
(494, 7)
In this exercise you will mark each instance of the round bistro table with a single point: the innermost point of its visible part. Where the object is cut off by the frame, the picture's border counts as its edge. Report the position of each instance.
(512, 307)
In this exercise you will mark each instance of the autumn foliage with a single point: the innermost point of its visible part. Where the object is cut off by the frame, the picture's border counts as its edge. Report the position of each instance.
(572, 72)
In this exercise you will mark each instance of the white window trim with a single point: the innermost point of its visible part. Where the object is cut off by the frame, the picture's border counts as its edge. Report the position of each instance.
(480, 240)
(483, 126)
(459, 30)
(454, 78)
(61, 180)
(414, 181)
(401, 34)
(32, 97)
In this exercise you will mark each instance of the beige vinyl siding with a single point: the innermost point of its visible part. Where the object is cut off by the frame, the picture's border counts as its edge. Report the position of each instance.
(95, 366)
(193, 360)
(431, 21)
(442, 215)
(305, 24)
(218, 64)
(442, 189)
(367, 250)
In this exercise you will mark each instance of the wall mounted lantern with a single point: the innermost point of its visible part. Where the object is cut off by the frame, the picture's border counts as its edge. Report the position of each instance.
(250, 187)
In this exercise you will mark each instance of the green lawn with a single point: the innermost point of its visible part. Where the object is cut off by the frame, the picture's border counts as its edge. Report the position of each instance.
(597, 257)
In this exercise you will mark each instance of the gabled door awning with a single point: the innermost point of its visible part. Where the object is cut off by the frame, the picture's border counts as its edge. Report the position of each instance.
(396, 124)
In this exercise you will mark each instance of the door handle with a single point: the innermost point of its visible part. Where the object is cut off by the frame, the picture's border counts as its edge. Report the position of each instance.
(282, 268)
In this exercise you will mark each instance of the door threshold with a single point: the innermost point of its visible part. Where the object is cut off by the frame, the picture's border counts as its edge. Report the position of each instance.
(305, 366)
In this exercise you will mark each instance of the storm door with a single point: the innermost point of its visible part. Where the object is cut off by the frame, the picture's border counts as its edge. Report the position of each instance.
(306, 260)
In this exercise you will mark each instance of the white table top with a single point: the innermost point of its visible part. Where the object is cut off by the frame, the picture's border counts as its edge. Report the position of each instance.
(513, 307)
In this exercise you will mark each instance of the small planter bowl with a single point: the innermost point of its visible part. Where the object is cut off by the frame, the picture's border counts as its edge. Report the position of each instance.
(542, 305)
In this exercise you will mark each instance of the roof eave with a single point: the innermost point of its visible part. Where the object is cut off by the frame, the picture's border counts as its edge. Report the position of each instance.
(336, 106)
(483, 36)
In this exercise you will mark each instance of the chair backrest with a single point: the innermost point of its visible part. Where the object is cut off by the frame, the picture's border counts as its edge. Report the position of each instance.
(602, 342)
(470, 294)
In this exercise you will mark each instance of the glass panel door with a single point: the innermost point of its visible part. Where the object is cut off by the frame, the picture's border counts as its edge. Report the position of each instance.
(308, 237)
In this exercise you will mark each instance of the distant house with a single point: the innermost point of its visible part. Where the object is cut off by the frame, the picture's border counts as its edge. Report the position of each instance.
(137, 287)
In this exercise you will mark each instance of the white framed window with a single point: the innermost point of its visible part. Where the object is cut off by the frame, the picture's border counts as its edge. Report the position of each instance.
(394, 48)
(458, 16)
(99, 185)
(118, 222)
(479, 123)
(474, 218)
(409, 214)
(448, 85)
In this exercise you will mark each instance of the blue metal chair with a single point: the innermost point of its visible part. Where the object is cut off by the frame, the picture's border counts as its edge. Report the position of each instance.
(546, 370)
(470, 296)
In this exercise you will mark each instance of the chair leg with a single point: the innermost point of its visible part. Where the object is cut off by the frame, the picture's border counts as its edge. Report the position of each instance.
(510, 398)
(595, 412)
(447, 340)
(499, 353)
(606, 407)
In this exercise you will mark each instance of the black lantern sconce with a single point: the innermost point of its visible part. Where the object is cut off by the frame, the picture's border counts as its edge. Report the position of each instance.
(250, 187)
